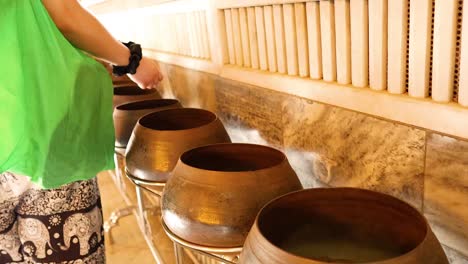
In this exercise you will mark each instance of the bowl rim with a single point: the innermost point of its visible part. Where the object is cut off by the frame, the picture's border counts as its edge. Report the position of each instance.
(136, 87)
(282, 160)
(171, 102)
(283, 252)
(181, 131)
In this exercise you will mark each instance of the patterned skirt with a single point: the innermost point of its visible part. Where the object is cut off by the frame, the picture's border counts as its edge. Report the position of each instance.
(62, 225)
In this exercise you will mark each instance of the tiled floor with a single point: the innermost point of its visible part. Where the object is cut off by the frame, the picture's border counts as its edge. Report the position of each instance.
(129, 246)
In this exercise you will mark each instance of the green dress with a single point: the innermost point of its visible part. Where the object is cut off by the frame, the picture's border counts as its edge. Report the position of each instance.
(55, 101)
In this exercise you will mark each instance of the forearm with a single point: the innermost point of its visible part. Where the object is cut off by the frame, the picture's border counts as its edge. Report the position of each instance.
(85, 32)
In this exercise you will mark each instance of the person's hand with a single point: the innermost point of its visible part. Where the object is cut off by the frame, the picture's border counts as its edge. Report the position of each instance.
(148, 75)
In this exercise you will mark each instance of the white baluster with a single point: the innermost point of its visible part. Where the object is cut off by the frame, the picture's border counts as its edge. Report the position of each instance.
(378, 13)
(290, 38)
(270, 38)
(343, 41)
(327, 24)
(420, 47)
(315, 41)
(359, 43)
(443, 62)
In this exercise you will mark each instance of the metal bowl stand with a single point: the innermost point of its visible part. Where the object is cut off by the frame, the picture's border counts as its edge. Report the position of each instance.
(223, 255)
(139, 211)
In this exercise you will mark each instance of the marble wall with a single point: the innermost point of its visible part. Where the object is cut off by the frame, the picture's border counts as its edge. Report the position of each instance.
(330, 146)
(446, 190)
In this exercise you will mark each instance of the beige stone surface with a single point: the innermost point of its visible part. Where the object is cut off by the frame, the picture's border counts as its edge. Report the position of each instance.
(191, 88)
(455, 257)
(329, 146)
(251, 114)
(446, 190)
(344, 148)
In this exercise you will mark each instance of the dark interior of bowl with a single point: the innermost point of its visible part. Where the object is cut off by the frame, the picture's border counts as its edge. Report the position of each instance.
(177, 119)
(147, 104)
(342, 225)
(132, 90)
(233, 157)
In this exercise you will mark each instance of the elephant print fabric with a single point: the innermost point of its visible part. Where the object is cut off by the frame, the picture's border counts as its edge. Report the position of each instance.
(62, 225)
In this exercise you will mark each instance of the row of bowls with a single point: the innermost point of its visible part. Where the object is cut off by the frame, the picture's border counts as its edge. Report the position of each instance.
(219, 194)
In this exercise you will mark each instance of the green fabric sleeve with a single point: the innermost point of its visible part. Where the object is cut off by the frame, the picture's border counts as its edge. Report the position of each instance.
(55, 101)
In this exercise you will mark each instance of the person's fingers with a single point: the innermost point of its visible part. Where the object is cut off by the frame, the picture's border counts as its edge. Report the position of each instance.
(156, 83)
(160, 77)
(148, 85)
(157, 78)
(149, 75)
(151, 84)
(141, 85)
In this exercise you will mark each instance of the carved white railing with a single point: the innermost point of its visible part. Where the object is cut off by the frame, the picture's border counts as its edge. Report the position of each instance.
(398, 46)
(405, 60)
(182, 33)
(171, 31)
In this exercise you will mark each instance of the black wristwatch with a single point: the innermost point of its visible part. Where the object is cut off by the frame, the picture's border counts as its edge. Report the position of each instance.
(134, 61)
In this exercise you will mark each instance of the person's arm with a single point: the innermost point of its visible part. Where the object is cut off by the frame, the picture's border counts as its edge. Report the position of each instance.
(85, 32)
